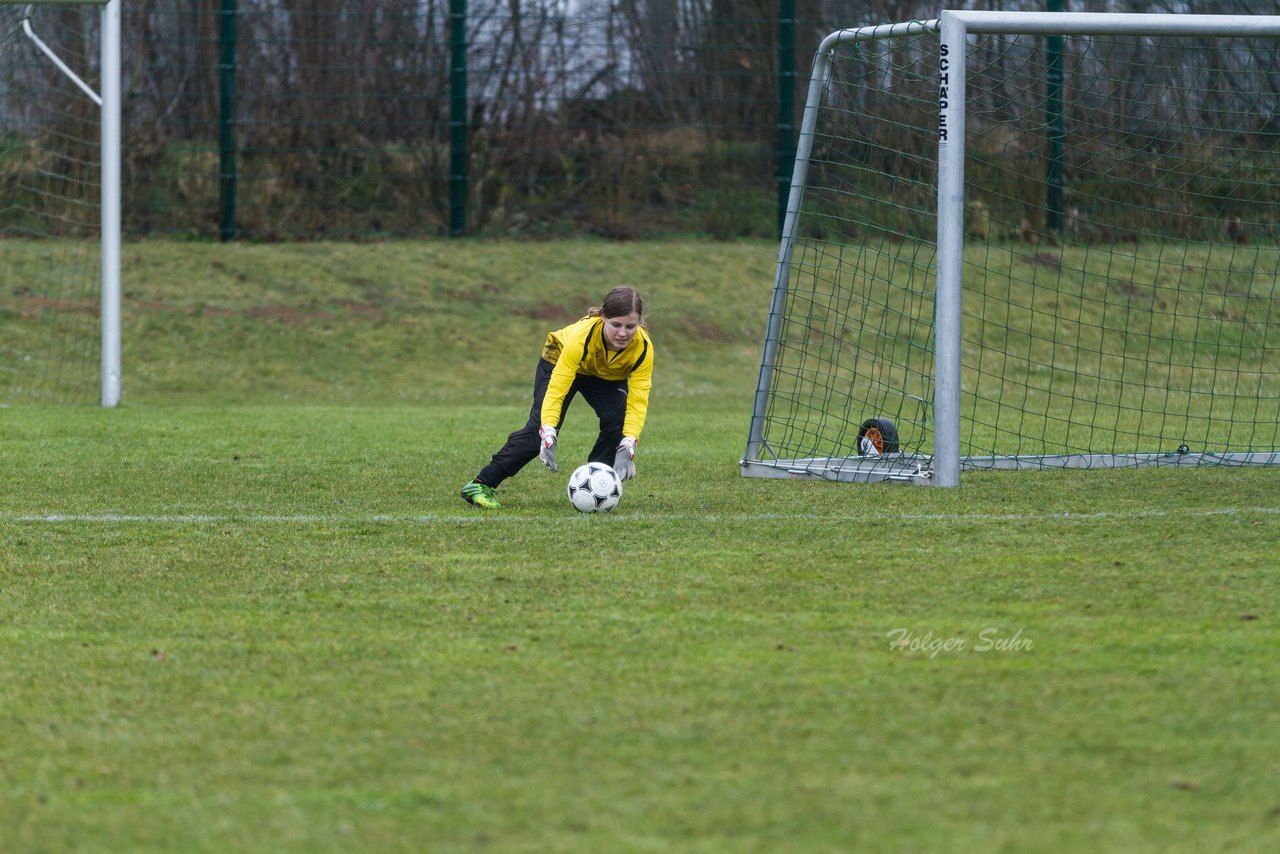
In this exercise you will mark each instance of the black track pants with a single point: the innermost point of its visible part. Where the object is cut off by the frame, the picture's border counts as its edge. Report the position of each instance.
(607, 397)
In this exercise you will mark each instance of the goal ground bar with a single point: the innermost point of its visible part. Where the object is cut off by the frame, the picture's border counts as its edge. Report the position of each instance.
(918, 470)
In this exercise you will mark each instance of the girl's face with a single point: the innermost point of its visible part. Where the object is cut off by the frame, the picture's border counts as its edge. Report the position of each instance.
(618, 331)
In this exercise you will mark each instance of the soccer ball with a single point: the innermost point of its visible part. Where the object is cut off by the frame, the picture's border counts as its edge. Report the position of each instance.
(594, 488)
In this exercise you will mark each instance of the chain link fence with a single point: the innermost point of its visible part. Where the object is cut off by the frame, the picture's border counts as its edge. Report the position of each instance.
(284, 119)
(281, 119)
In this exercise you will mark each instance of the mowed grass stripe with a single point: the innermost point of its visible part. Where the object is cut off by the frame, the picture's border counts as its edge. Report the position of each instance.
(498, 518)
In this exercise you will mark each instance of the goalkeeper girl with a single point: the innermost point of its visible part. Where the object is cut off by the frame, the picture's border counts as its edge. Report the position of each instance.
(607, 358)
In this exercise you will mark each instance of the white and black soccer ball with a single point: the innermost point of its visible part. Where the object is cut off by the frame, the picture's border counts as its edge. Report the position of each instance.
(595, 488)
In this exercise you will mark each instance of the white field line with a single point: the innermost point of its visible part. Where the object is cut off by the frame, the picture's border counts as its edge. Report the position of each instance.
(490, 518)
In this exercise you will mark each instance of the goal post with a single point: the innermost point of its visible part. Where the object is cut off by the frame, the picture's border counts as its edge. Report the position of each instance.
(60, 170)
(1028, 240)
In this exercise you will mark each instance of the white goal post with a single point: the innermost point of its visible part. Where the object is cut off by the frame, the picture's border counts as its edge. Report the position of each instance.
(855, 331)
(108, 102)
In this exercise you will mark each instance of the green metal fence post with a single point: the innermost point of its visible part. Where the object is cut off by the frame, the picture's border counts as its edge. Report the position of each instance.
(1056, 126)
(458, 118)
(786, 104)
(227, 118)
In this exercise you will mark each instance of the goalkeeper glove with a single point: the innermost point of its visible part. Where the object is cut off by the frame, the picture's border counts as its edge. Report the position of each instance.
(547, 446)
(624, 462)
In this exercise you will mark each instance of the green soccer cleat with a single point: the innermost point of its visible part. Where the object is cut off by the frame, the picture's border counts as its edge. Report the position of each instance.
(480, 495)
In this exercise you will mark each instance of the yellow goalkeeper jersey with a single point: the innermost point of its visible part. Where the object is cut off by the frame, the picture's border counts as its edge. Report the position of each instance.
(579, 350)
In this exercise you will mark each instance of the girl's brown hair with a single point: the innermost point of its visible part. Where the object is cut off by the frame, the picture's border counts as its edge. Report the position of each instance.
(619, 302)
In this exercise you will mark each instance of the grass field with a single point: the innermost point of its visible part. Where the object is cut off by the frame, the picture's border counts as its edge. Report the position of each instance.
(247, 610)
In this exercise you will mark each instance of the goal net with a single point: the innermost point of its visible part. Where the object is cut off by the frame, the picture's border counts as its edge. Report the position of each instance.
(59, 203)
(1025, 240)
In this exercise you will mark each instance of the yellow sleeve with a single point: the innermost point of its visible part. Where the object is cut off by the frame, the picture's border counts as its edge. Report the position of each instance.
(638, 386)
(565, 371)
